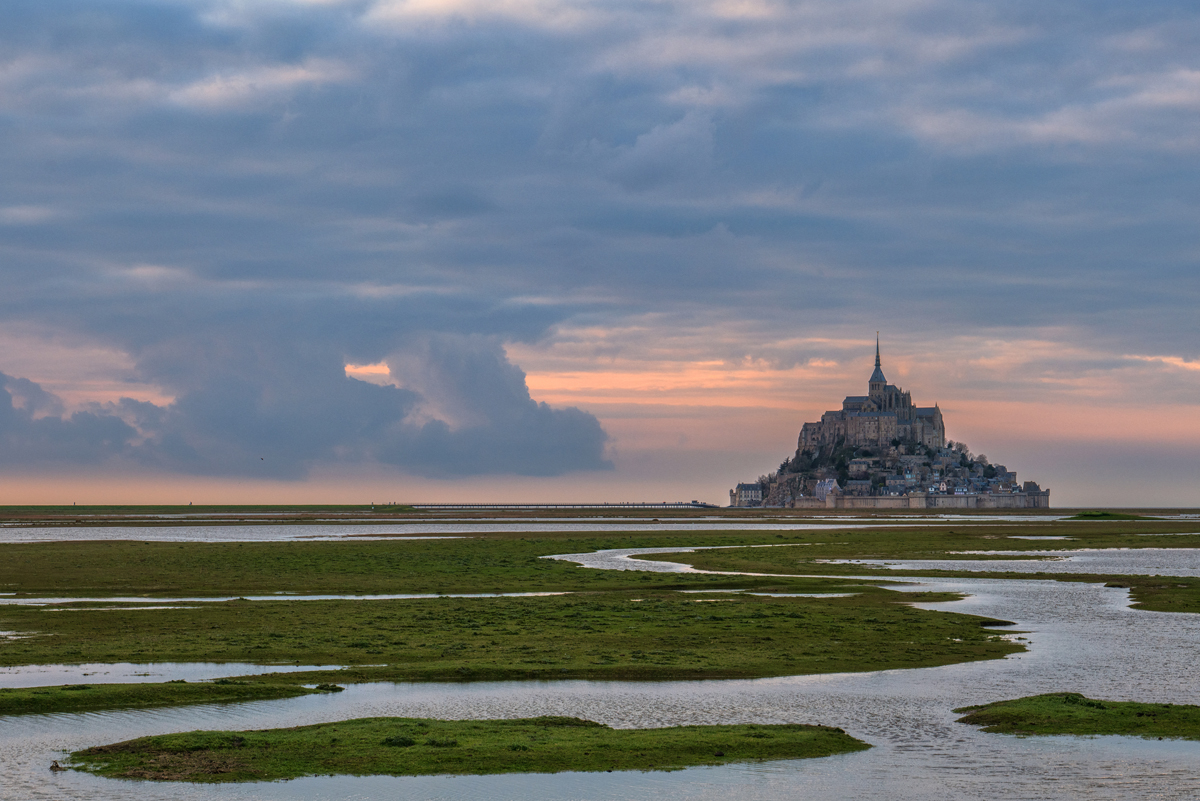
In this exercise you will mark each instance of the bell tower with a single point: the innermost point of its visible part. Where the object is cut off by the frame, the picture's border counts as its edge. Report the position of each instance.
(877, 383)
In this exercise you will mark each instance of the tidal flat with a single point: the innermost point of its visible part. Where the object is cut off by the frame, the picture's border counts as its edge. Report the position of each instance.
(838, 553)
(611, 625)
(1081, 635)
(422, 747)
(644, 635)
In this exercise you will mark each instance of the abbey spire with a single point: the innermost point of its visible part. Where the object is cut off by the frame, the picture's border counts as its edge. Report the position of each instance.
(877, 382)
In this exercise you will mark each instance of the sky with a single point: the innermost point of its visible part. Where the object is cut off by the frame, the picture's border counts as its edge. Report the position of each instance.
(284, 251)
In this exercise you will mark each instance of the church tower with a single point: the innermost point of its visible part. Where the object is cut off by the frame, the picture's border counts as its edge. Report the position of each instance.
(878, 383)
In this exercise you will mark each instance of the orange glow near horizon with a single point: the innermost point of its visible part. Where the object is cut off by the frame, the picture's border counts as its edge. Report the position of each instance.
(685, 425)
(705, 383)
(704, 406)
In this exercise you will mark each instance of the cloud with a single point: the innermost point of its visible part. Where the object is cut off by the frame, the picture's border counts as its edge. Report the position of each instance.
(234, 201)
(255, 410)
(1173, 361)
(480, 417)
(539, 13)
(26, 215)
(1132, 112)
(674, 151)
(34, 434)
(242, 87)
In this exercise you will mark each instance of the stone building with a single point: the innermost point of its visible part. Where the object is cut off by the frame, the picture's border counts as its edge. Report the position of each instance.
(884, 414)
(879, 451)
(746, 495)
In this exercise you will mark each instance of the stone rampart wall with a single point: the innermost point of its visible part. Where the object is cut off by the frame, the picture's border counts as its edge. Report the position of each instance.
(1015, 500)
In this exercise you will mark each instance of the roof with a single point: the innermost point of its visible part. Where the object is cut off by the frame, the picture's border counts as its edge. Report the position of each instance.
(877, 376)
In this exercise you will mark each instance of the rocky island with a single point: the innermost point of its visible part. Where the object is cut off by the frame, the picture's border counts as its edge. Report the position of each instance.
(880, 451)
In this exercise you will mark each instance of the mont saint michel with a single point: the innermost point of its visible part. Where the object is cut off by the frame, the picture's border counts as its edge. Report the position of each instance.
(882, 451)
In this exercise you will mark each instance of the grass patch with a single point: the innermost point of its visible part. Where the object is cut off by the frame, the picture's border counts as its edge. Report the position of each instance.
(809, 549)
(1161, 594)
(92, 697)
(510, 562)
(612, 635)
(1106, 515)
(1148, 593)
(1072, 713)
(486, 563)
(616, 625)
(417, 747)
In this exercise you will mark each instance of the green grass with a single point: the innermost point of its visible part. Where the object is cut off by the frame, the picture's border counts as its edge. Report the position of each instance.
(55, 514)
(940, 542)
(1107, 515)
(1072, 713)
(1148, 593)
(615, 625)
(1161, 594)
(91, 697)
(647, 634)
(468, 565)
(509, 562)
(416, 747)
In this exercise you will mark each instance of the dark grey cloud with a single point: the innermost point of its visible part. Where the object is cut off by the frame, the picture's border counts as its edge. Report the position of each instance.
(34, 433)
(259, 408)
(245, 198)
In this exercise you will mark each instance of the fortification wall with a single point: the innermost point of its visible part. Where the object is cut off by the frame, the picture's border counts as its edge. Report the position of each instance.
(1016, 500)
(808, 503)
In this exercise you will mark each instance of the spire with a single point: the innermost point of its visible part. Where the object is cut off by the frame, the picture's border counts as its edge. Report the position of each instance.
(877, 376)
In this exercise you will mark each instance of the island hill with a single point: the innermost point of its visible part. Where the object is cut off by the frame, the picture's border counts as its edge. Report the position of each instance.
(879, 451)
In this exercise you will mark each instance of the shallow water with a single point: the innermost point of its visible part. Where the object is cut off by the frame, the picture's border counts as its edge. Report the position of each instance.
(1130, 562)
(1082, 637)
(138, 673)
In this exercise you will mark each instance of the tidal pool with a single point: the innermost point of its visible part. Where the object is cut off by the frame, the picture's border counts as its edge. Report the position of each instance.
(1082, 637)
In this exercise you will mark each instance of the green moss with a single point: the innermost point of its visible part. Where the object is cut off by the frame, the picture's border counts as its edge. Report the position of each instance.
(1072, 713)
(91, 697)
(411, 747)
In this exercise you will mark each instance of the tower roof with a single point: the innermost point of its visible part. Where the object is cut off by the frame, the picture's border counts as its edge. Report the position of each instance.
(877, 376)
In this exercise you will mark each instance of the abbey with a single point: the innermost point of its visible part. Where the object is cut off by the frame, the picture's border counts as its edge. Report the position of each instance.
(879, 451)
(884, 414)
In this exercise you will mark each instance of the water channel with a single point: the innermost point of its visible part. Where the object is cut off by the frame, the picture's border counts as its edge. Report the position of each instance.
(1081, 637)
